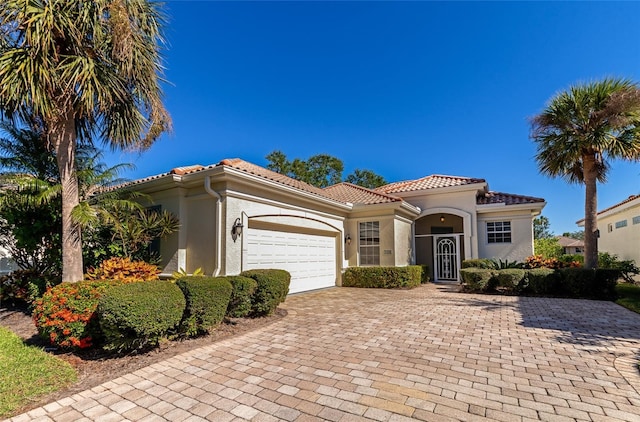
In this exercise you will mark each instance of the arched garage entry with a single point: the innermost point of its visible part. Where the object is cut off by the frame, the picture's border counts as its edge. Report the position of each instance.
(306, 248)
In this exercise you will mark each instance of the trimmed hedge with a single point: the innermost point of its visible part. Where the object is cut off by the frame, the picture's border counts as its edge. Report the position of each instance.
(272, 289)
(242, 291)
(590, 284)
(599, 284)
(477, 279)
(483, 263)
(384, 277)
(207, 300)
(511, 279)
(424, 277)
(540, 282)
(137, 315)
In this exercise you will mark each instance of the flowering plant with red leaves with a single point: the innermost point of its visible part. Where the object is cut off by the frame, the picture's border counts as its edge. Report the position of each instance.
(66, 314)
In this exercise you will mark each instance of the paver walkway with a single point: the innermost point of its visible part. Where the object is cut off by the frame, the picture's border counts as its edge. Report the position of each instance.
(359, 354)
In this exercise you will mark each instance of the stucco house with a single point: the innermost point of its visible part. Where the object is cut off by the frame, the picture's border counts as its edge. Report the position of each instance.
(619, 228)
(235, 216)
(570, 245)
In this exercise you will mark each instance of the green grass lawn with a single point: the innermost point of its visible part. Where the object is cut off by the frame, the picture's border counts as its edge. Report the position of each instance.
(27, 372)
(629, 296)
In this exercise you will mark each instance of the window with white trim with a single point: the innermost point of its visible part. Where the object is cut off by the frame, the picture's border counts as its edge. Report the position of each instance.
(636, 219)
(369, 243)
(620, 224)
(499, 231)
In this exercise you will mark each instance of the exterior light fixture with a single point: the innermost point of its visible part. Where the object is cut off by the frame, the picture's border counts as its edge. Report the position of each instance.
(442, 218)
(347, 239)
(236, 230)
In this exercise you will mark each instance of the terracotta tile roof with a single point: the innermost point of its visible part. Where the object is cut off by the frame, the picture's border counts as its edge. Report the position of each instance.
(626, 201)
(429, 182)
(569, 242)
(347, 192)
(256, 170)
(186, 169)
(506, 198)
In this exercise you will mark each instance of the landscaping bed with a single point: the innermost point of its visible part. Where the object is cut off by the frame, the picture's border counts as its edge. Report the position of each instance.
(95, 367)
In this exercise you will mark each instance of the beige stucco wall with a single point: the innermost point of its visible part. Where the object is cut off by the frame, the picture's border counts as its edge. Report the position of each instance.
(268, 213)
(403, 235)
(396, 244)
(623, 241)
(169, 200)
(521, 245)
(200, 223)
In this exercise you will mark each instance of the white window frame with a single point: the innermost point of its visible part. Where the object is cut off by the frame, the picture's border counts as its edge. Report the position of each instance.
(369, 243)
(620, 224)
(636, 219)
(499, 232)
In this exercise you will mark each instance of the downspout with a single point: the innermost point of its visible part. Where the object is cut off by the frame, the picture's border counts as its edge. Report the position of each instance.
(207, 187)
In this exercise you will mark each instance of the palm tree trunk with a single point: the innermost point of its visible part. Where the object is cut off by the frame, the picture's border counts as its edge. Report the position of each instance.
(63, 137)
(590, 174)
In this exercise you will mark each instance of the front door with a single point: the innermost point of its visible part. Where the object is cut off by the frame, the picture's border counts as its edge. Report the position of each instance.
(446, 258)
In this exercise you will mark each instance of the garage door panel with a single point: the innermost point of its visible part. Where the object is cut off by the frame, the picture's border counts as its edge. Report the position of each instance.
(311, 259)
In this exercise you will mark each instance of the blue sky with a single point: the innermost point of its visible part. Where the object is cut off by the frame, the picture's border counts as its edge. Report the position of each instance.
(405, 89)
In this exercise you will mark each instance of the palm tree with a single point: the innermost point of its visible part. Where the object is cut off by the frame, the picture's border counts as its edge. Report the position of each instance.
(580, 131)
(87, 69)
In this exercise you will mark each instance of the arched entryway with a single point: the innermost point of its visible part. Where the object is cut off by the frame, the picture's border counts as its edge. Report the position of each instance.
(440, 244)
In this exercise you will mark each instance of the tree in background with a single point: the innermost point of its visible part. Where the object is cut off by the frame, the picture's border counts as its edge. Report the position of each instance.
(580, 131)
(114, 221)
(86, 70)
(321, 170)
(30, 223)
(578, 234)
(541, 228)
(365, 178)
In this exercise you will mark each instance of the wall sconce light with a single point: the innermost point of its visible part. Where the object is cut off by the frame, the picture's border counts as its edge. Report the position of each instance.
(236, 230)
(347, 239)
(442, 218)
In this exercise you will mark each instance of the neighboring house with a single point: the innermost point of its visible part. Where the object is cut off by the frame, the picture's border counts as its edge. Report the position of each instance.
(235, 216)
(571, 246)
(619, 228)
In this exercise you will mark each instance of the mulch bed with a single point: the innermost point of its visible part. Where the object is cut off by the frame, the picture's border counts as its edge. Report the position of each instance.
(95, 367)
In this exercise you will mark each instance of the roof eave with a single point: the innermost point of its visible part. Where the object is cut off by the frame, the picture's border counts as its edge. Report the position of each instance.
(535, 207)
(231, 171)
(446, 189)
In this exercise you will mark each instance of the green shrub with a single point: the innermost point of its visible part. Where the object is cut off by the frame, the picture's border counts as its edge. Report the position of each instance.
(272, 289)
(383, 277)
(499, 264)
(479, 263)
(540, 282)
(243, 290)
(627, 268)
(66, 314)
(137, 315)
(597, 284)
(511, 279)
(424, 277)
(477, 279)
(571, 260)
(207, 300)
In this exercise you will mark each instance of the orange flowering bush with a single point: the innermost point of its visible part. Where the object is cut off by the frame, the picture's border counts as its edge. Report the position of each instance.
(66, 314)
(537, 261)
(125, 270)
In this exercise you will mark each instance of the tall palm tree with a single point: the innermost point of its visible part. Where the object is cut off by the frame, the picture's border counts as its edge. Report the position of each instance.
(87, 69)
(580, 131)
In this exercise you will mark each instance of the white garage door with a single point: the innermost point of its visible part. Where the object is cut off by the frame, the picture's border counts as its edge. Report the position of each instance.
(310, 258)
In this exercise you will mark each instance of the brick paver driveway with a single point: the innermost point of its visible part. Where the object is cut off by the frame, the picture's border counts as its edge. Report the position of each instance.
(357, 354)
